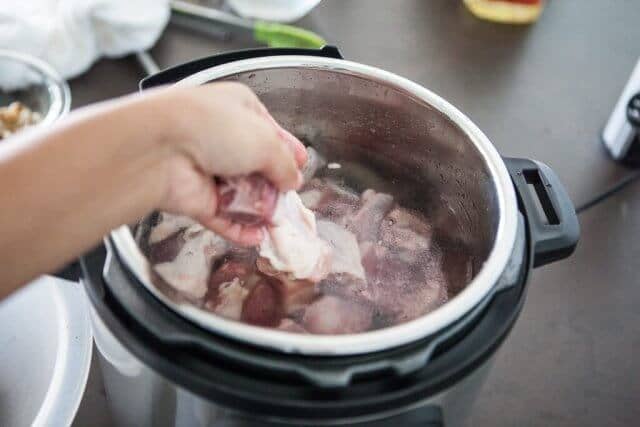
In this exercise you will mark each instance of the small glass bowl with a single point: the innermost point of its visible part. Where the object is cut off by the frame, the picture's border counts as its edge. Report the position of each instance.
(35, 84)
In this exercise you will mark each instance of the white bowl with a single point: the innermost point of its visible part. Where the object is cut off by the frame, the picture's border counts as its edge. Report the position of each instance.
(45, 349)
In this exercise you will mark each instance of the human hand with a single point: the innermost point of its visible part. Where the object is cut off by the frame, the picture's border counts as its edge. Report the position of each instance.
(223, 129)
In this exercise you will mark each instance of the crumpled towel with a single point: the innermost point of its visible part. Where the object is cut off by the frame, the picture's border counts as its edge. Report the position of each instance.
(71, 35)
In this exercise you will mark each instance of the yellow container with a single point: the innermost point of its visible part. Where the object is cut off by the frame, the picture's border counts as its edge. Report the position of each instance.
(506, 11)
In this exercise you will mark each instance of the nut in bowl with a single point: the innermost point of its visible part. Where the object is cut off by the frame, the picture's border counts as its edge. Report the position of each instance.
(15, 117)
(31, 92)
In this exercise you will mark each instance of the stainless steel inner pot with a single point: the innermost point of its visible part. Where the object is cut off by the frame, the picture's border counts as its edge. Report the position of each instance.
(392, 135)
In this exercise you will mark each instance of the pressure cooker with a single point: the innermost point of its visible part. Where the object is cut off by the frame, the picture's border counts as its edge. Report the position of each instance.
(170, 365)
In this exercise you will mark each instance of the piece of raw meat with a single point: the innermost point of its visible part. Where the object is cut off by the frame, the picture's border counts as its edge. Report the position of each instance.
(247, 200)
(331, 315)
(402, 290)
(365, 258)
(328, 200)
(231, 269)
(345, 252)
(406, 233)
(263, 306)
(168, 249)
(229, 299)
(295, 294)
(169, 225)
(291, 246)
(366, 222)
(189, 271)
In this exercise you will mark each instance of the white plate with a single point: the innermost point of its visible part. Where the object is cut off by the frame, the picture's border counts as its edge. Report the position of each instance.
(45, 353)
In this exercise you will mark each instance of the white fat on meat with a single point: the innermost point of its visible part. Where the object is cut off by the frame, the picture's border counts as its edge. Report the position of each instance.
(311, 199)
(344, 247)
(331, 315)
(291, 244)
(189, 271)
(170, 224)
(230, 298)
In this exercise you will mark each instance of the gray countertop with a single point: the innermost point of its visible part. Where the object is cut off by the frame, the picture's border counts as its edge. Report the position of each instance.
(544, 92)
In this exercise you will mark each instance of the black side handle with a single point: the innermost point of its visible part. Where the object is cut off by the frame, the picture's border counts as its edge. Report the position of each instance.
(179, 72)
(551, 216)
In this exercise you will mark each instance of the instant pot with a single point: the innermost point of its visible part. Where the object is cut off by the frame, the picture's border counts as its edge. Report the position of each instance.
(174, 365)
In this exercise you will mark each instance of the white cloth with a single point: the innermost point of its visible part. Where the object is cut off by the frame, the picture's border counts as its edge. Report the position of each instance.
(72, 34)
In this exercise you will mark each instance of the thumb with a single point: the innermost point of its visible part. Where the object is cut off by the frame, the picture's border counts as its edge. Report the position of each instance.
(190, 192)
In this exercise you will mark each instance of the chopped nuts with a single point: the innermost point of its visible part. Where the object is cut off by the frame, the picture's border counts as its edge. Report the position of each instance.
(15, 117)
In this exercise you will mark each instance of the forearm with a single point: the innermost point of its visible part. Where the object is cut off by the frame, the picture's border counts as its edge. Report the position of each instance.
(62, 189)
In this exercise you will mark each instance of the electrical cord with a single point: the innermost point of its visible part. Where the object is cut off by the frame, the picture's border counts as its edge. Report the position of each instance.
(624, 182)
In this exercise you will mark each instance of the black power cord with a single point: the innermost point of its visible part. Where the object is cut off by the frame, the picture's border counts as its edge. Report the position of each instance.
(624, 182)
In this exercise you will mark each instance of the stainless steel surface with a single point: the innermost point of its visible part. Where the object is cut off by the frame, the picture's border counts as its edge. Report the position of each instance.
(394, 136)
(33, 82)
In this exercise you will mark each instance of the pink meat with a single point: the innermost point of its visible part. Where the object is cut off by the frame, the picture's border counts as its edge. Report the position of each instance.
(296, 294)
(229, 299)
(188, 272)
(291, 247)
(331, 315)
(366, 222)
(366, 257)
(230, 270)
(403, 290)
(248, 200)
(406, 233)
(167, 250)
(328, 200)
(262, 306)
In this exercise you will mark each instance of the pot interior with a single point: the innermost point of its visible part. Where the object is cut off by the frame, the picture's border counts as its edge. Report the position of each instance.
(387, 138)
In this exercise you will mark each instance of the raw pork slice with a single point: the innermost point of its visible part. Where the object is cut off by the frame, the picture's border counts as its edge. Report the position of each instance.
(248, 200)
(230, 297)
(189, 271)
(168, 225)
(329, 200)
(345, 252)
(366, 222)
(263, 306)
(291, 246)
(331, 315)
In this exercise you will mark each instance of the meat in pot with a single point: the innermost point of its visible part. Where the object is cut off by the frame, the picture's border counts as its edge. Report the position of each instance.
(333, 261)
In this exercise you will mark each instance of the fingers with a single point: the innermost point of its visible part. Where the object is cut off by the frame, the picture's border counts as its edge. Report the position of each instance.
(241, 235)
(294, 144)
(189, 191)
(251, 101)
(280, 166)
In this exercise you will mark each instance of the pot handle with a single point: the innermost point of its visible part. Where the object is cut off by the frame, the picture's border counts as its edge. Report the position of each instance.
(551, 217)
(179, 72)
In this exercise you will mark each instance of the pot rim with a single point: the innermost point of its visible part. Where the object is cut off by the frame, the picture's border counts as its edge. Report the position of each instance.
(481, 285)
